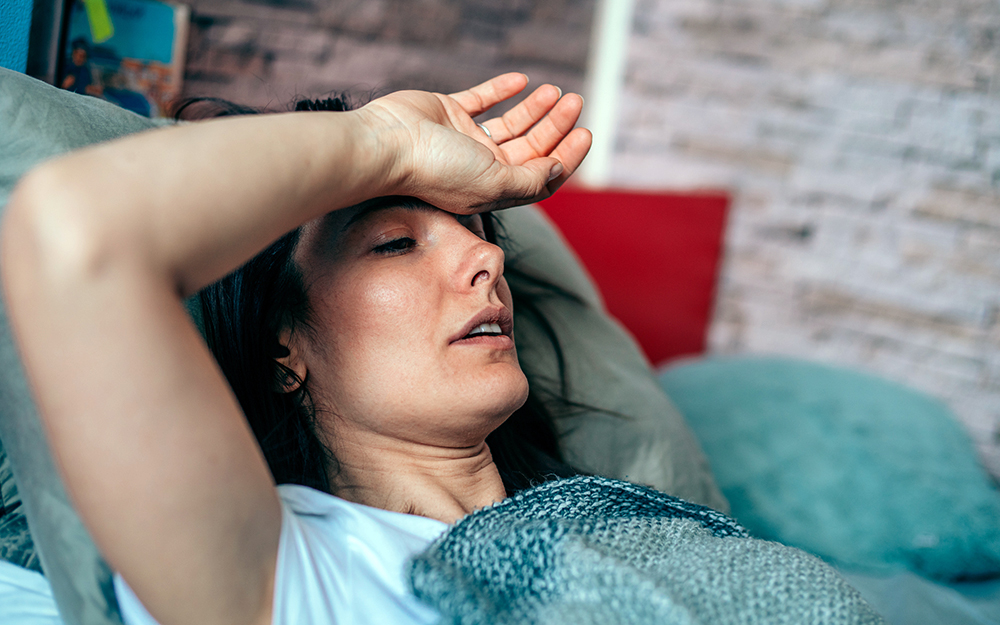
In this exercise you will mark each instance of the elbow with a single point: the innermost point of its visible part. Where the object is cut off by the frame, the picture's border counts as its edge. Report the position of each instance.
(50, 231)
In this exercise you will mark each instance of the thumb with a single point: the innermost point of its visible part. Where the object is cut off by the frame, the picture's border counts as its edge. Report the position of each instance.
(523, 184)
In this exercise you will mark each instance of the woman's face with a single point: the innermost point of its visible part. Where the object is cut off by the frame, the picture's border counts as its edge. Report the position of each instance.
(398, 297)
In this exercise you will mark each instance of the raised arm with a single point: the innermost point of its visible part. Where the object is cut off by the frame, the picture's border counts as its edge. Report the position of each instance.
(98, 249)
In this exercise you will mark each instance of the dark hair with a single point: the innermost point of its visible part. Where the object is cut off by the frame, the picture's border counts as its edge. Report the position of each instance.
(245, 312)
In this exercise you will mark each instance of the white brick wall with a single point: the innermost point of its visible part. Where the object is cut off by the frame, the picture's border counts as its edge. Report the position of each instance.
(861, 141)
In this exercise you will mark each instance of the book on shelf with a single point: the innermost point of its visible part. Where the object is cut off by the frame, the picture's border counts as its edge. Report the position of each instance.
(129, 52)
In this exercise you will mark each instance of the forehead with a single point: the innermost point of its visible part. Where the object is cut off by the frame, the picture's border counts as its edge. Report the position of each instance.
(324, 233)
(337, 223)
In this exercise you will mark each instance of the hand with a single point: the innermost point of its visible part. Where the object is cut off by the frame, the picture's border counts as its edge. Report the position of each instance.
(445, 159)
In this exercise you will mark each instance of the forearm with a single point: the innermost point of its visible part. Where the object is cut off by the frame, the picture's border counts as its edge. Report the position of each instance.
(195, 201)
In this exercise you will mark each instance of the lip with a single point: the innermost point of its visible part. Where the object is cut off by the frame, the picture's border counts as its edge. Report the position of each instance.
(498, 315)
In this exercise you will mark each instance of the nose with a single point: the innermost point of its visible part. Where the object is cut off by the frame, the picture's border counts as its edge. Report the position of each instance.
(482, 276)
(482, 265)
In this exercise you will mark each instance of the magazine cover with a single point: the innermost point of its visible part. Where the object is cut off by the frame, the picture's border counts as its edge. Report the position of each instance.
(129, 52)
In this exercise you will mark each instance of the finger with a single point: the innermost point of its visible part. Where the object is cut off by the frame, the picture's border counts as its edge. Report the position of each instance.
(570, 152)
(543, 138)
(536, 179)
(518, 185)
(526, 114)
(481, 98)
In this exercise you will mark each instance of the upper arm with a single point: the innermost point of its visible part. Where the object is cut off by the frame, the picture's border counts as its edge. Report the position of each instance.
(154, 449)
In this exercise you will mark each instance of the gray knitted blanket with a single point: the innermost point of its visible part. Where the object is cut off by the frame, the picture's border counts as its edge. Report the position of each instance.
(590, 550)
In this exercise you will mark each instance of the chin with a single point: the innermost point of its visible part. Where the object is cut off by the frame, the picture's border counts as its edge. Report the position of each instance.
(512, 389)
(519, 396)
(498, 398)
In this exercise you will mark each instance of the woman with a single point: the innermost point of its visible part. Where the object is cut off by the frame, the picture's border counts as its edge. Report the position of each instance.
(244, 315)
(407, 351)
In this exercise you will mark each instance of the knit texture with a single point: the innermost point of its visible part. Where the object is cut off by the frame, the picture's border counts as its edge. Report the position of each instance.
(590, 550)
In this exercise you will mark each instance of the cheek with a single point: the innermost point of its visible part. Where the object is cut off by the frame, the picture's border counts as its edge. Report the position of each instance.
(391, 312)
(382, 360)
(378, 303)
(370, 332)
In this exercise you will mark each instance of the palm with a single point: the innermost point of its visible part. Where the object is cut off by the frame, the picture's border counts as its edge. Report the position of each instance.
(457, 166)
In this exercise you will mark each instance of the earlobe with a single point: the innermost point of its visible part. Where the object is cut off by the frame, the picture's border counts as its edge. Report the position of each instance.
(289, 355)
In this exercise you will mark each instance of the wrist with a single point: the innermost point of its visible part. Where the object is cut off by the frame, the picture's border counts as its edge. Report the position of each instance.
(384, 144)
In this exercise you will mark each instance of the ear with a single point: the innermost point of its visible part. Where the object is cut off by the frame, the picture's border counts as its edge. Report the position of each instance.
(291, 358)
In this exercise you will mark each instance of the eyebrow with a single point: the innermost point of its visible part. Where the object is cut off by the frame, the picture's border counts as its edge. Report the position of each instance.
(384, 203)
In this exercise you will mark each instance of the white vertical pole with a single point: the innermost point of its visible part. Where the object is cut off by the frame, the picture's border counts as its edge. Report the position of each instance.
(605, 80)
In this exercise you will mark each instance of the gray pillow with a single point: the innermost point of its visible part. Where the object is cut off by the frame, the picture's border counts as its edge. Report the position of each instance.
(39, 122)
(635, 433)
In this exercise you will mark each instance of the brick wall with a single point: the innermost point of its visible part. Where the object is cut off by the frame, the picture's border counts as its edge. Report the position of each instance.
(267, 53)
(861, 140)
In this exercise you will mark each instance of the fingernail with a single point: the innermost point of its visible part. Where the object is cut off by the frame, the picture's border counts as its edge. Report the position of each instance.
(559, 90)
(526, 77)
(555, 171)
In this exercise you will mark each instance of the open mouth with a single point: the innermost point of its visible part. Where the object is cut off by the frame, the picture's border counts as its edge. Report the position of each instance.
(492, 326)
(485, 329)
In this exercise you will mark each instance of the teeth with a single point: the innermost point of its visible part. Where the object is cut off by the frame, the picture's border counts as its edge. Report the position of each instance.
(486, 328)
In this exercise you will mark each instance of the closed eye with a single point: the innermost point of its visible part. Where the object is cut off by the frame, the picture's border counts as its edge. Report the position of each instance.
(396, 246)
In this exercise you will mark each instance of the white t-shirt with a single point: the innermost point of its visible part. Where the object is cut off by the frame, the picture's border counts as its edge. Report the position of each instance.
(339, 563)
(26, 597)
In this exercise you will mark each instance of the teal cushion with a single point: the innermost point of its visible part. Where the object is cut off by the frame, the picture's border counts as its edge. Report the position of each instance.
(855, 469)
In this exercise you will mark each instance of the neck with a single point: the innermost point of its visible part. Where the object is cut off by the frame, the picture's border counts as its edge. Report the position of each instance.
(443, 483)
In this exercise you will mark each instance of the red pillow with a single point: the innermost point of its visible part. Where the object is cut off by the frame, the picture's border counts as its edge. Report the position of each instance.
(654, 257)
